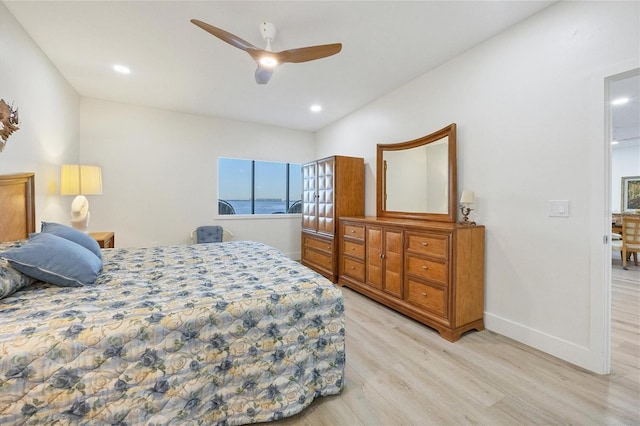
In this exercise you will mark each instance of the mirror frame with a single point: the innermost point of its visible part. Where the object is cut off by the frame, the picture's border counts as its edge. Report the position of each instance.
(450, 132)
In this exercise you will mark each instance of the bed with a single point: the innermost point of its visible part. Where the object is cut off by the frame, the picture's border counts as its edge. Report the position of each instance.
(225, 333)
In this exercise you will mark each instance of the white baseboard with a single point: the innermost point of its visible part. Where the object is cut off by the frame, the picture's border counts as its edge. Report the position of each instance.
(568, 351)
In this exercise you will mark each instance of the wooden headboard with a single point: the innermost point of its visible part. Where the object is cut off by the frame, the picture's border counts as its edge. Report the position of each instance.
(17, 206)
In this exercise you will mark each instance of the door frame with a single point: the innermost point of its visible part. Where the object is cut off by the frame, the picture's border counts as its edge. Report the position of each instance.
(607, 288)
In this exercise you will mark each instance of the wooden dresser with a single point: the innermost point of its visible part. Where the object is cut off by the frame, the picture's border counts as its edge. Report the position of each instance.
(332, 187)
(430, 271)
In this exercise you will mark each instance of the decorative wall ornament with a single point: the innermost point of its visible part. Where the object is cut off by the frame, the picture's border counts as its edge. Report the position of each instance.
(8, 122)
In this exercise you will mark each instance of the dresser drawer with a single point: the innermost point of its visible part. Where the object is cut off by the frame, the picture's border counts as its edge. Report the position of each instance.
(353, 231)
(428, 269)
(433, 245)
(353, 268)
(353, 249)
(320, 259)
(317, 244)
(431, 298)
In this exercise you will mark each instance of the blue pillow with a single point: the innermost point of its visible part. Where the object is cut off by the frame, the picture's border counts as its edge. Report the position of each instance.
(74, 235)
(55, 260)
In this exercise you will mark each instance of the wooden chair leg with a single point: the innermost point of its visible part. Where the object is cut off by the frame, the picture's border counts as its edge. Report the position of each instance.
(624, 259)
(635, 258)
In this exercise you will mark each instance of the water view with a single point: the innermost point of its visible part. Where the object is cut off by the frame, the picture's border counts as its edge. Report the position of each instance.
(265, 206)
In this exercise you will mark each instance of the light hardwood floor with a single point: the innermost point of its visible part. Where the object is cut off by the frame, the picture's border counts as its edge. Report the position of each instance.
(400, 372)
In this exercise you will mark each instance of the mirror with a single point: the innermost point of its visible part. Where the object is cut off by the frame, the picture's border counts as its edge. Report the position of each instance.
(417, 179)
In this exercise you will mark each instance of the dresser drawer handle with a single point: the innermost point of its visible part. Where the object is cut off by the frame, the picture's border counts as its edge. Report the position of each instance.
(425, 267)
(425, 244)
(353, 231)
(424, 294)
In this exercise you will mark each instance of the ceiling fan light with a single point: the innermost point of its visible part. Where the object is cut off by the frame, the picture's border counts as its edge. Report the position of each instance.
(268, 61)
(121, 69)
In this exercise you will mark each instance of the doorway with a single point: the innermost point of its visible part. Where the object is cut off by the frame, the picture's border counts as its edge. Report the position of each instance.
(622, 118)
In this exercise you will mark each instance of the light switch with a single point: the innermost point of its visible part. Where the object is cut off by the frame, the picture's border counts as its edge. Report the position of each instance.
(558, 208)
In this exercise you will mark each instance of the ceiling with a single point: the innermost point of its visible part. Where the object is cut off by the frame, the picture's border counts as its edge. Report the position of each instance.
(178, 66)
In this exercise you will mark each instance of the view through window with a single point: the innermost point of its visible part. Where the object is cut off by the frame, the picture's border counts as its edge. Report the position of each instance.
(258, 187)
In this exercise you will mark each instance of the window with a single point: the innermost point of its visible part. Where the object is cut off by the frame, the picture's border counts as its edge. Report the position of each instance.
(258, 187)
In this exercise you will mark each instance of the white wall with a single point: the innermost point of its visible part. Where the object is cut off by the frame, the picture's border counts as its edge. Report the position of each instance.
(529, 105)
(160, 173)
(48, 109)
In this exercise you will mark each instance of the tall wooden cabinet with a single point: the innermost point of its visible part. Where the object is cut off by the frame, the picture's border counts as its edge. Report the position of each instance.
(331, 187)
(430, 271)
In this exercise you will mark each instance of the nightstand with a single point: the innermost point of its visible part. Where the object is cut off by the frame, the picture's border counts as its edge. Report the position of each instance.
(104, 239)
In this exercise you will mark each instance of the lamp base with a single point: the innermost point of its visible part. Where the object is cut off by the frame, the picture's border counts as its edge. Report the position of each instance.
(80, 213)
(82, 226)
(465, 216)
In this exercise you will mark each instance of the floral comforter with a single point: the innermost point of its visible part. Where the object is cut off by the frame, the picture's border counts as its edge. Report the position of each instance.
(227, 333)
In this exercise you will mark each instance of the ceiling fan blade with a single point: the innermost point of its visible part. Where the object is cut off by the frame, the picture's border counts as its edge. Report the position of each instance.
(310, 53)
(266, 59)
(225, 36)
(263, 75)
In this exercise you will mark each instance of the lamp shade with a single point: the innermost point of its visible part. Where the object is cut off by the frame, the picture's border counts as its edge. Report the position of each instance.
(76, 179)
(467, 197)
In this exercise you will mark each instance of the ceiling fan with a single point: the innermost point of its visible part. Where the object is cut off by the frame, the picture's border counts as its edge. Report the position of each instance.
(267, 59)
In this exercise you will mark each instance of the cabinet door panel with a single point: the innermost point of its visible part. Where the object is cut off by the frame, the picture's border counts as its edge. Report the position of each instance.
(309, 205)
(393, 267)
(326, 222)
(326, 176)
(374, 257)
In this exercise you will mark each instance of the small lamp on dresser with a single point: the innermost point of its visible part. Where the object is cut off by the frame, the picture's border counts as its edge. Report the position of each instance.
(80, 180)
(466, 200)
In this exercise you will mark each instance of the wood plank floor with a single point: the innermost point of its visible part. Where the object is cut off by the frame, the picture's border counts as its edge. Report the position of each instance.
(400, 372)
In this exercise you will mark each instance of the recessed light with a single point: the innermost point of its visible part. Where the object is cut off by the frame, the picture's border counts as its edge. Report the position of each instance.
(121, 69)
(620, 101)
(614, 142)
(316, 108)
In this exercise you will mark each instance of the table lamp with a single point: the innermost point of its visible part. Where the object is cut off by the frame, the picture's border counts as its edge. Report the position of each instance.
(466, 200)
